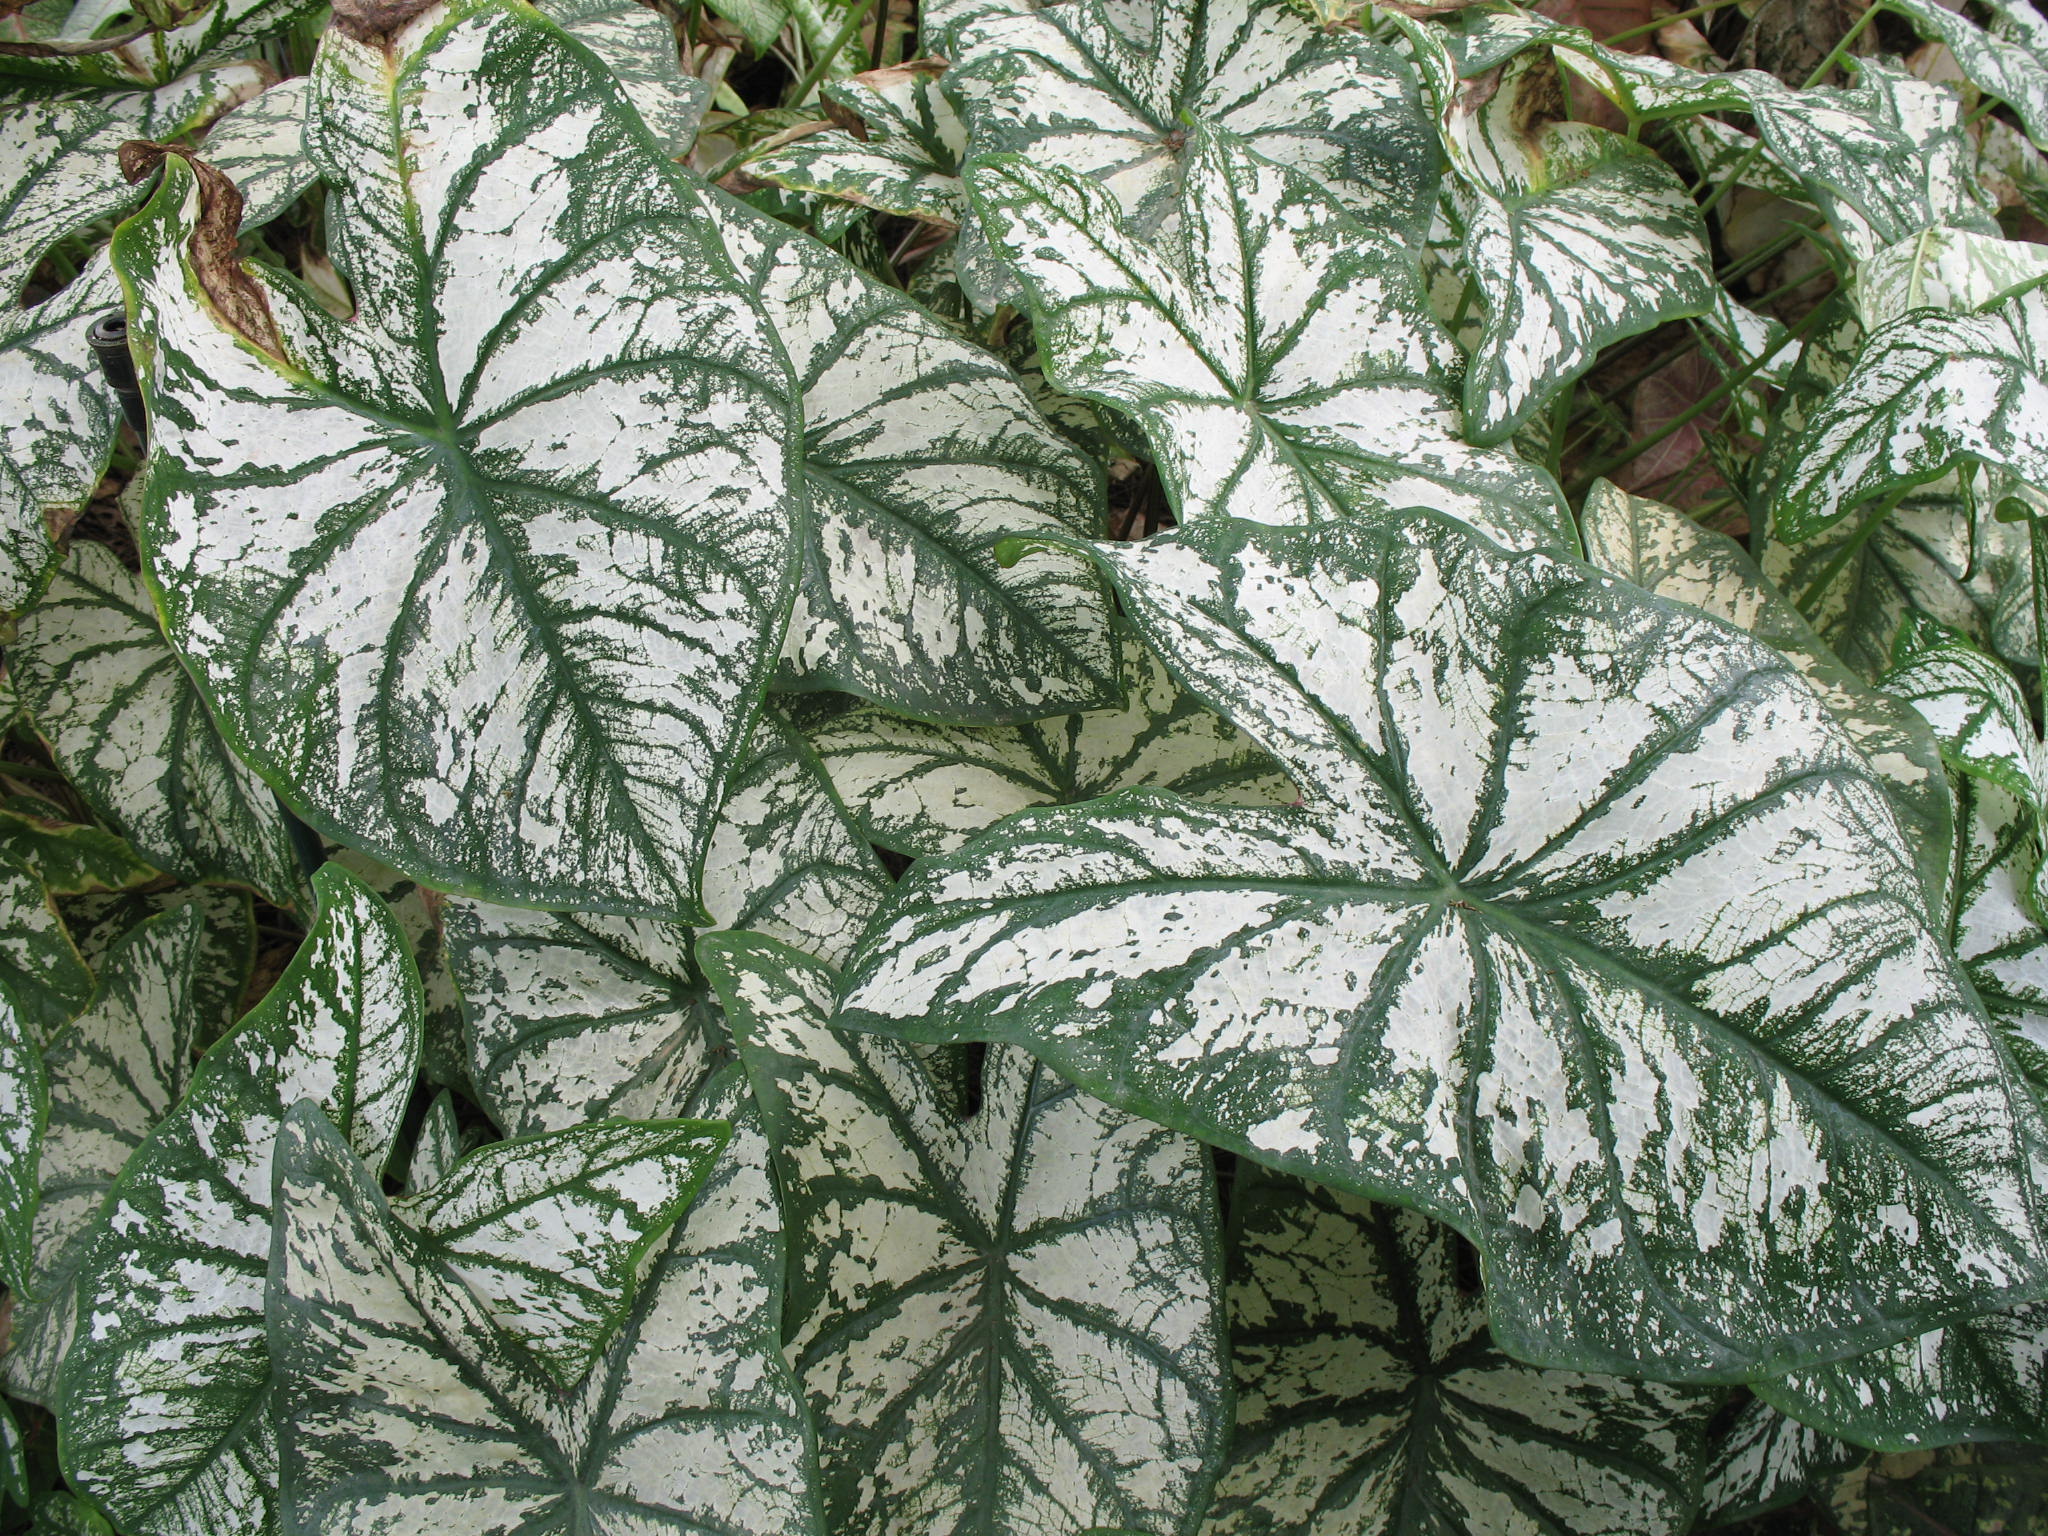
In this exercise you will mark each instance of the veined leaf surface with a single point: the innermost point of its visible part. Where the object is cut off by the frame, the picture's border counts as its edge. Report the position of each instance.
(436, 1148)
(1369, 1397)
(1765, 1460)
(694, 1378)
(261, 147)
(69, 857)
(164, 1410)
(123, 720)
(1995, 934)
(39, 965)
(1279, 355)
(112, 1075)
(2012, 67)
(906, 158)
(1595, 937)
(488, 580)
(922, 789)
(24, 1107)
(638, 45)
(1008, 1324)
(154, 56)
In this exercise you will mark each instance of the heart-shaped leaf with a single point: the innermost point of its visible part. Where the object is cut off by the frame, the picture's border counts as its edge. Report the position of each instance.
(488, 580)
(1008, 1323)
(1279, 355)
(112, 1075)
(1369, 1397)
(403, 1404)
(125, 723)
(164, 1397)
(1595, 937)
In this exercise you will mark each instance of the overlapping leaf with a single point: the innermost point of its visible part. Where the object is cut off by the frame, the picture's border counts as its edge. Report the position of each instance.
(1371, 1399)
(112, 1075)
(261, 148)
(921, 454)
(24, 1107)
(922, 789)
(1664, 551)
(228, 937)
(638, 45)
(901, 154)
(403, 1404)
(489, 579)
(69, 857)
(1279, 355)
(55, 43)
(39, 965)
(125, 723)
(1765, 1460)
(1109, 93)
(1995, 933)
(1006, 1324)
(2009, 61)
(1595, 937)
(164, 1391)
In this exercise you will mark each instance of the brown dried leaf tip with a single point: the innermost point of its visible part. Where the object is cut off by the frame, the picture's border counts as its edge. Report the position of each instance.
(215, 251)
(372, 21)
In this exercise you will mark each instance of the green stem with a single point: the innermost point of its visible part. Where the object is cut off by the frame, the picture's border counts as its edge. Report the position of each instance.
(848, 30)
(1632, 33)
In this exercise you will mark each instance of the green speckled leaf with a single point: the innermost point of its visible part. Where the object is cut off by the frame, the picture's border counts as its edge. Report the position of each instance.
(1664, 551)
(1369, 1397)
(2009, 62)
(163, 1404)
(922, 453)
(1950, 269)
(1108, 92)
(1010, 1323)
(1995, 934)
(98, 923)
(1594, 937)
(70, 858)
(1764, 1461)
(437, 1146)
(1975, 708)
(24, 1107)
(1279, 355)
(405, 1408)
(443, 1054)
(113, 1074)
(221, 30)
(904, 157)
(922, 789)
(489, 579)
(261, 147)
(125, 723)
(39, 965)
(13, 1463)
(637, 43)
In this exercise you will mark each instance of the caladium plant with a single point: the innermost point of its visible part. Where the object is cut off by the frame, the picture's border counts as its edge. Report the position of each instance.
(972, 769)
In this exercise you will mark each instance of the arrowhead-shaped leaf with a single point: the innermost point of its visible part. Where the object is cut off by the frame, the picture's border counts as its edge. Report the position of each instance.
(125, 723)
(922, 789)
(1010, 1323)
(1369, 1397)
(403, 1406)
(112, 1076)
(164, 1409)
(1595, 937)
(1280, 355)
(489, 579)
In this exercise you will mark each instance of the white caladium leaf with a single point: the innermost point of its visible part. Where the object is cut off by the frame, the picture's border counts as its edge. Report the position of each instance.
(1664, 551)
(1109, 92)
(69, 857)
(1929, 391)
(45, 41)
(112, 1075)
(1280, 356)
(1764, 1461)
(123, 720)
(444, 1055)
(164, 1390)
(228, 938)
(1570, 857)
(922, 453)
(1996, 935)
(39, 964)
(550, 1231)
(921, 789)
(2009, 61)
(1369, 1397)
(1975, 708)
(403, 1405)
(437, 1146)
(1574, 238)
(1009, 1323)
(1953, 269)
(13, 1458)
(898, 146)
(261, 148)
(24, 1107)
(584, 432)
(638, 45)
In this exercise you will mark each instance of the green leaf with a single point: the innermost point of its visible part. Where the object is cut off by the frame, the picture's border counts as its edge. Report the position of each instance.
(228, 937)
(584, 432)
(922, 454)
(261, 148)
(1371, 1399)
(550, 1231)
(221, 30)
(164, 1400)
(1279, 355)
(1010, 1323)
(70, 858)
(112, 1076)
(436, 1148)
(1995, 934)
(444, 1054)
(402, 1404)
(1975, 708)
(1764, 1461)
(922, 789)
(126, 725)
(13, 1461)
(1595, 937)
(1664, 551)
(904, 159)
(39, 965)
(59, 1514)
(638, 45)
(1950, 269)
(1101, 91)
(24, 1109)
(1929, 391)
(1574, 237)
(2006, 62)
